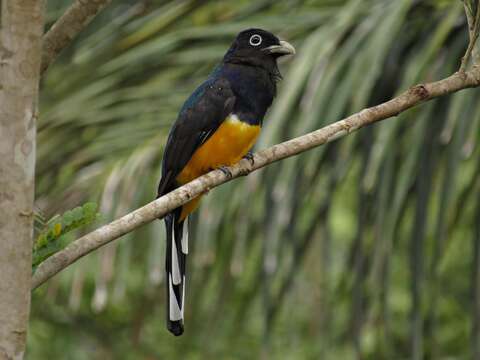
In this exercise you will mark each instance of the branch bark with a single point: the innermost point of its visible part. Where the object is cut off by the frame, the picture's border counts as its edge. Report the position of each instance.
(72, 22)
(21, 28)
(160, 207)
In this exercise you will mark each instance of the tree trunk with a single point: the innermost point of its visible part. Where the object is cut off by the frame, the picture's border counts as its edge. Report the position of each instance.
(21, 30)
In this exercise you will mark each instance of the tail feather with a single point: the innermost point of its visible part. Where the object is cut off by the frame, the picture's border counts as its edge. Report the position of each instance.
(177, 249)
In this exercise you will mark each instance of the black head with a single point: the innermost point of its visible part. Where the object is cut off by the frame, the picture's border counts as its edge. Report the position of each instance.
(257, 47)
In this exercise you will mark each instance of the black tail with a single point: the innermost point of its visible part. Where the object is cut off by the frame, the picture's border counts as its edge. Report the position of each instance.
(175, 264)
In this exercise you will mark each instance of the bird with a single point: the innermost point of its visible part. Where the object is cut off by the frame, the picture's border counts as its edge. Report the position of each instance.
(216, 127)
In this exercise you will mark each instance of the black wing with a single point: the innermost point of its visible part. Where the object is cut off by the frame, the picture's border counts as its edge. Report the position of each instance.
(200, 117)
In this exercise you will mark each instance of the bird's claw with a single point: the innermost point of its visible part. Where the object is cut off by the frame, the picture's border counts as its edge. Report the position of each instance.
(226, 171)
(249, 157)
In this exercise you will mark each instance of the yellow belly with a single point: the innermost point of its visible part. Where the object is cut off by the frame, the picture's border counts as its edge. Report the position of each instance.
(230, 143)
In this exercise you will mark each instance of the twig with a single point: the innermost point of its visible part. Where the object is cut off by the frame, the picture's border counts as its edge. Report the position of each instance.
(473, 21)
(72, 22)
(160, 207)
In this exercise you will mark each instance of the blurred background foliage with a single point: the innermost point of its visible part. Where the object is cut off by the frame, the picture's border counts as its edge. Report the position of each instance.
(367, 247)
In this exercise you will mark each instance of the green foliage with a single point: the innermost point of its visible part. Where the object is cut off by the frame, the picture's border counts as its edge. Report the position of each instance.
(55, 234)
(359, 249)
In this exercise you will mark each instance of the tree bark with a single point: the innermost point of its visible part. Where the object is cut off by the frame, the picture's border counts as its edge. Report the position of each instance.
(21, 31)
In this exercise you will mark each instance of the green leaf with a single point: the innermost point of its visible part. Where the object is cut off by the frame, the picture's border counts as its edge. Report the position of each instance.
(68, 218)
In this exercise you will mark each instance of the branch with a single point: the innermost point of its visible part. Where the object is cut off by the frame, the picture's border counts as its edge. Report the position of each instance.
(472, 12)
(74, 20)
(162, 206)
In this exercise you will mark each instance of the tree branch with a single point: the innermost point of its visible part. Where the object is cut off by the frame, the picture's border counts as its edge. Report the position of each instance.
(472, 12)
(74, 20)
(162, 206)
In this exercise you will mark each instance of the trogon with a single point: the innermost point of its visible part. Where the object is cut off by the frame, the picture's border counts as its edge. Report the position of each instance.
(216, 127)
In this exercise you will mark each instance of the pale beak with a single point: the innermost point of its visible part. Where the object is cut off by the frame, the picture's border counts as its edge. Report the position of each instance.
(284, 48)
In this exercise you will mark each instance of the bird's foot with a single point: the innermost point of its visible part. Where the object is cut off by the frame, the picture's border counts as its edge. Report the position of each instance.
(249, 157)
(226, 171)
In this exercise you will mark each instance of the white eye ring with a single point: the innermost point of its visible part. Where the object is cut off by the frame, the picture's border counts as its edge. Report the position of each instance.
(255, 40)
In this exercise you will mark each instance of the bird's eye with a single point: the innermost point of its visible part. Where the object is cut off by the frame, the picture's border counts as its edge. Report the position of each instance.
(255, 40)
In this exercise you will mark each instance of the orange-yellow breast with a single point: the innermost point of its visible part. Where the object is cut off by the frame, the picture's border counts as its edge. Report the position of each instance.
(230, 143)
